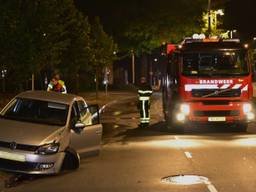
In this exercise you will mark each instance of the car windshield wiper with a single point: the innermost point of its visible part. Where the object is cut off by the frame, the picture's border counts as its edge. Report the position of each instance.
(216, 93)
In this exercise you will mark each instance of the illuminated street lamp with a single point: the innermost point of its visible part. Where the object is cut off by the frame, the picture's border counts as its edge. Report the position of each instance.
(232, 32)
(220, 12)
(133, 66)
(3, 75)
(211, 20)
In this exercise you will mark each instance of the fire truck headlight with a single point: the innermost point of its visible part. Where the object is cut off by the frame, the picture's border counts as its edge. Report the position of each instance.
(180, 117)
(247, 108)
(185, 109)
(250, 116)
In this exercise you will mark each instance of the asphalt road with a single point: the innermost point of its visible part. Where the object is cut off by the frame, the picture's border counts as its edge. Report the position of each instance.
(135, 159)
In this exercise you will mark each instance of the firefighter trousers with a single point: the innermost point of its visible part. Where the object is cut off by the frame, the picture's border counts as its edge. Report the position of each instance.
(144, 111)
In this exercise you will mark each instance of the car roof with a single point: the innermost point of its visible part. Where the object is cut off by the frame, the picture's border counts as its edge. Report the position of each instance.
(50, 96)
(212, 46)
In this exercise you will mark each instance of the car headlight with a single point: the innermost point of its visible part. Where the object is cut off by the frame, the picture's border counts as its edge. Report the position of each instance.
(247, 107)
(48, 149)
(185, 109)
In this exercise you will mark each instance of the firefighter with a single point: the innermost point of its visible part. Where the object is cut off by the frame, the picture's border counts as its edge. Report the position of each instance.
(144, 93)
(57, 85)
(57, 76)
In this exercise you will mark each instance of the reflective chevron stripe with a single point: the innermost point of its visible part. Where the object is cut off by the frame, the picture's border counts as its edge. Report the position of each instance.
(145, 92)
(190, 87)
(144, 98)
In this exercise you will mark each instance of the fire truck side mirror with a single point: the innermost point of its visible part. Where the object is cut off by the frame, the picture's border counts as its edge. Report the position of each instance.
(254, 71)
(254, 76)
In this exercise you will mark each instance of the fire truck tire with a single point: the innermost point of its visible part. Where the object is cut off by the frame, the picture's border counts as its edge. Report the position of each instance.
(242, 127)
(172, 126)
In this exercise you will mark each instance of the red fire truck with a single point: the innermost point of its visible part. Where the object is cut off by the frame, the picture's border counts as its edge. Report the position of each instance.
(208, 81)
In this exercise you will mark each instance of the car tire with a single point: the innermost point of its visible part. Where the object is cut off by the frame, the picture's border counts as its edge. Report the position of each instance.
(71, 160)
(96, 153)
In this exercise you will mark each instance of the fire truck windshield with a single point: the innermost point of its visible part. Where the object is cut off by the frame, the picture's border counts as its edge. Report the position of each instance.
(221, 63)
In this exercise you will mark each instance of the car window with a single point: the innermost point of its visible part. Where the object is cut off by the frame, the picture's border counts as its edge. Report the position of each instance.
(37, 111)
(85, 114)
(75, 112)
(83, 108)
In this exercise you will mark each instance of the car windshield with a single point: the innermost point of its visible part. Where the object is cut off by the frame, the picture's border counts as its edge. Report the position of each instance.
(37, 111)
(223, 63)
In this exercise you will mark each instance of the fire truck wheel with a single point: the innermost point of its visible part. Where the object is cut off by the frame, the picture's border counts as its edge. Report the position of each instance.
(242, 127)
(179, 128)
(172, 126)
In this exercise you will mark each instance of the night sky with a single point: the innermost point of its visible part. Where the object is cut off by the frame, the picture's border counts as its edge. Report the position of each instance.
(240, 14)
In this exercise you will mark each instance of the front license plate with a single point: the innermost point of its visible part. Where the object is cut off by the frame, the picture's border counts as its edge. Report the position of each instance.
(217, 119)
(12, 156)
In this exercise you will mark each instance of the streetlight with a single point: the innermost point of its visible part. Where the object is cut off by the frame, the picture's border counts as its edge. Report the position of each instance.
(220, 12)
(133, 66)
(3, 74)
(209, 17)
(232, 33)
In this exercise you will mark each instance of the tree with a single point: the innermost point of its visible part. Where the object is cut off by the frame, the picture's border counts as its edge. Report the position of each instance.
(77, 54)
(144, 25)
(40, 35)
(164, 24)
(14, 39)
(103, 48)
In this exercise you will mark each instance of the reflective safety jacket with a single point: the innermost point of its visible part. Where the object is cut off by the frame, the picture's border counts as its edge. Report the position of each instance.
(144, 92)
(59, 87)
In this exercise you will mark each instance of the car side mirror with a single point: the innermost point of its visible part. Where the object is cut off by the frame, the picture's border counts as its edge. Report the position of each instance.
(78, 127)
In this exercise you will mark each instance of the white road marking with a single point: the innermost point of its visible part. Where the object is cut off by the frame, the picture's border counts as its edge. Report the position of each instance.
(210, 186)
(188, 155)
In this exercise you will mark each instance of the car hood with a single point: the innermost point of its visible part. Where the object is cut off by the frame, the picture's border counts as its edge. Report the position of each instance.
(28, 133)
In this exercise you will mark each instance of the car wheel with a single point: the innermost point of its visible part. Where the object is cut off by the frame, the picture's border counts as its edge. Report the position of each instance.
(95, 153)
(71, 160)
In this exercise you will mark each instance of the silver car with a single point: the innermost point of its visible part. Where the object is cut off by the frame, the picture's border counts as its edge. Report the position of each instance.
(45, 132)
